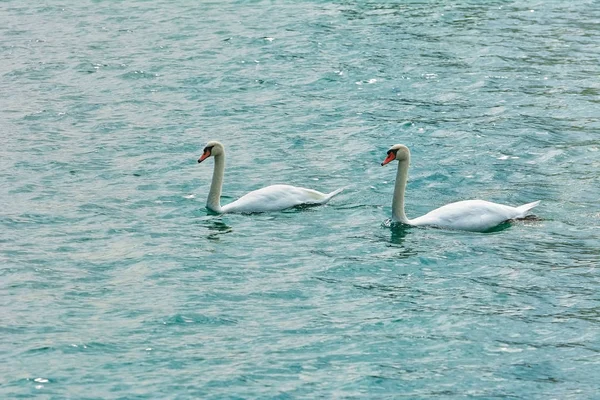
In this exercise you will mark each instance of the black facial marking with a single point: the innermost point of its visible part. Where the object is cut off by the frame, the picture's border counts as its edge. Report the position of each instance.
(208, 148)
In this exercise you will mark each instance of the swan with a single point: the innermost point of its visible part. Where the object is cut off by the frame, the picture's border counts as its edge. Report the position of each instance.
(468, 215)
(270, 198)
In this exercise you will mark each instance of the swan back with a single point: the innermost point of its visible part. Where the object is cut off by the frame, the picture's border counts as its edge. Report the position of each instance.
(468, 215)
(472, 215)
(276, 198)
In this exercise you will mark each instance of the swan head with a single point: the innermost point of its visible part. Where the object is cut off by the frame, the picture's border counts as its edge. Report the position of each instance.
(397, 152)
(212, 148)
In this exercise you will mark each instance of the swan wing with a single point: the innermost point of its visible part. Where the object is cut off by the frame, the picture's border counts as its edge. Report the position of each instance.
(276, 198)
(468, 215)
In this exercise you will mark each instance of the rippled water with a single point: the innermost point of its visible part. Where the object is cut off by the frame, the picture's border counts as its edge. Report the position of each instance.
(117, 283)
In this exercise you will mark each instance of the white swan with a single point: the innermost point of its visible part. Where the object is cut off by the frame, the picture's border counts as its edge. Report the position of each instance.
(468, 215)
(270, 198)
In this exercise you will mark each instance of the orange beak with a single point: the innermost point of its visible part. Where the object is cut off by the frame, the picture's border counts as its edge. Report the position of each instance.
(390, 157)
(205, 155)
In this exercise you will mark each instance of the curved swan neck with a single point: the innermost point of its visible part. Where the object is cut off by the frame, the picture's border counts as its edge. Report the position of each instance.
(214, 195)
(398, 200)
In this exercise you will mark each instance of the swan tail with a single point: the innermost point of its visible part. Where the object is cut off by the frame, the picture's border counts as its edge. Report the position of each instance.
(328, 196)
(522, 210)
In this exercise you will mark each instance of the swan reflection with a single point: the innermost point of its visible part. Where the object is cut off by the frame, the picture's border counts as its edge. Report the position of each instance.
(398, 234)
(216, 228)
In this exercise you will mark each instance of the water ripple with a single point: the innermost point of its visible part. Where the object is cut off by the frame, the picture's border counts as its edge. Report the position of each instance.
(117, 282)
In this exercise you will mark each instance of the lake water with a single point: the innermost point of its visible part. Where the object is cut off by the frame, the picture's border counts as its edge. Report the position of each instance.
(117, 283)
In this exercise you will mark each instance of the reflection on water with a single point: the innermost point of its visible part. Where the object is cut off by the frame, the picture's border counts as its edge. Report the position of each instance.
(399, 233)
(498, 228)
(216, 227)
(400, 230)
(211, 212)
(529, 219)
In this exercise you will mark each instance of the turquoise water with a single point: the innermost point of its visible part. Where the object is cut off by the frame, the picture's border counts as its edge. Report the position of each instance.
(117, 283)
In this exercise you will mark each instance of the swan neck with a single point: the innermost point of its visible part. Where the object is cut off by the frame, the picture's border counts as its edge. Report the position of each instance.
(214, 195)
(398, 200)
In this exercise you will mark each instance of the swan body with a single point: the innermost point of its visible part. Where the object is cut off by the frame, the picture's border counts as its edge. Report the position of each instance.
(276, 198)
(468, 215)
(270, 198)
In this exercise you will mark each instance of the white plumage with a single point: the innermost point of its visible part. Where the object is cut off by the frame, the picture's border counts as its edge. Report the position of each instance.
(468, 215)
(275, 198)
(270, 198)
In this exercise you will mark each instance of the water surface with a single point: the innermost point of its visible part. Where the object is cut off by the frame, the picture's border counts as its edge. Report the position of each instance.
(117, 283)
